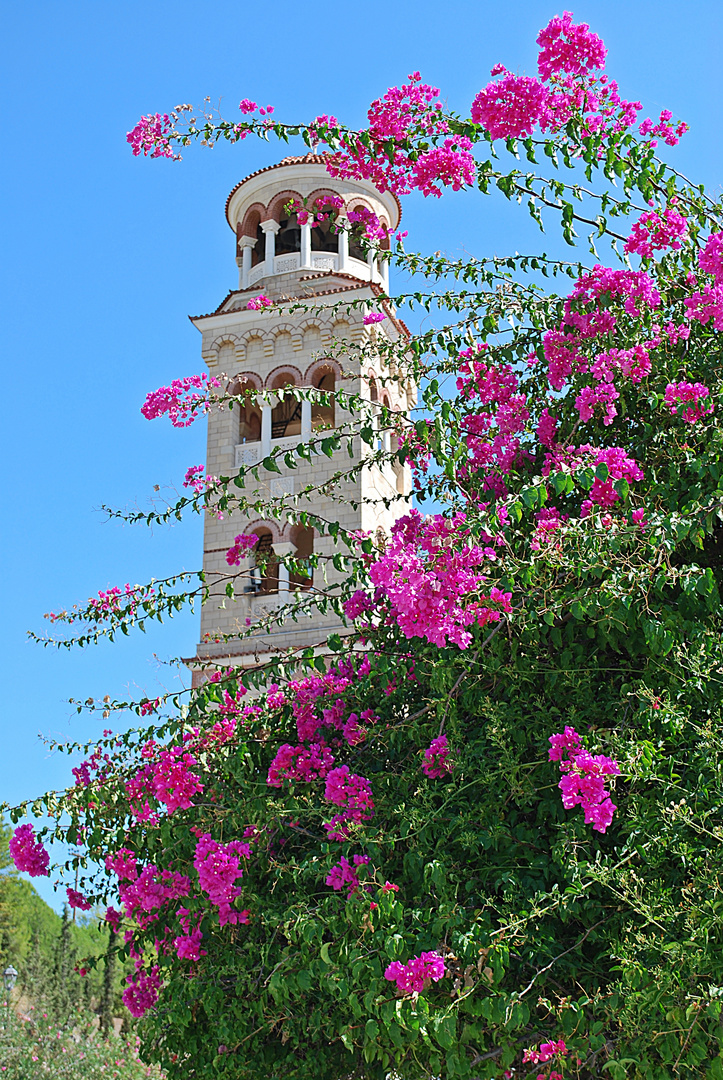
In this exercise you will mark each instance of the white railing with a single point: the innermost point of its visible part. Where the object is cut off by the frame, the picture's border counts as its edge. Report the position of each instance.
(247, 454)
(289, 443)
(284, 264)
(324, 260)
(256, 273)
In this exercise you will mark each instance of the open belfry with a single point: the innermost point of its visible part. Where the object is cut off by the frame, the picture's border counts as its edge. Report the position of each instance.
(322, 279)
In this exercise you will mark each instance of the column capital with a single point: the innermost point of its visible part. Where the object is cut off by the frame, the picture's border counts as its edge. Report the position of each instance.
(270, 226)
(247, 242)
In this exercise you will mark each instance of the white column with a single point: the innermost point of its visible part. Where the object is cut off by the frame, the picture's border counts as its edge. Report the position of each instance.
(306, 420)
(371, 255)
(270, 229)
(247, 245)
(343, 238)
(265, 430)
(384, 266)
(306, 246)
(283, 550)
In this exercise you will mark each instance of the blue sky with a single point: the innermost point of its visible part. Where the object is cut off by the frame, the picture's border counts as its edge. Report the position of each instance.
(105, 256)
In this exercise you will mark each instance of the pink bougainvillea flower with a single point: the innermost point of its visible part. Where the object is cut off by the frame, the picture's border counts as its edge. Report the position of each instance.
(257, 303)
(28, 853)
(412, 976)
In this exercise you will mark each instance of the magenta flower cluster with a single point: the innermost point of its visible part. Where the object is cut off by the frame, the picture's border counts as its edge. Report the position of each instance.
(373, 317)
(28, 853)
(437, 758)
(219, 867)
(188, 944)
(195, 479)
(174, 782)
(571, 61)
(142, 992)
(402, 118)
(77, 899)
(184, 400)
(358, 604)
(584, 778)
(588, 316)
(345, 875)
(710, 259)
(688, 399)
(568, 47)
(247, 107)
(350, 791)
(708, 305)
(411, 977)
(432, 578)
(546, 1052)
(511, 108)
(150, 890)
(654, 231)
(493, 430)
(302, 763)
(242, 545)
(152, 136)
(258, 303)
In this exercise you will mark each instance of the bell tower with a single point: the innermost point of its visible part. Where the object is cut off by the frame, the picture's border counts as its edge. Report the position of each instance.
(311, 336)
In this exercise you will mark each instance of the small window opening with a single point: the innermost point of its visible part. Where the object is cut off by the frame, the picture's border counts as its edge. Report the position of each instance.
(265, 571)
(323, 416)
(324, 238)
(288, 238)
(249, 414)
(286, 416)
(258, 252)
(303, 541)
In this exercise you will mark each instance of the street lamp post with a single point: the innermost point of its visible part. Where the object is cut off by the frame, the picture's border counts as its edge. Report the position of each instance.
(10, 976)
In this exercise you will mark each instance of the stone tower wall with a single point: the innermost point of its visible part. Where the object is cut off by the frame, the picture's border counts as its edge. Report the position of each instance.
(259, 346)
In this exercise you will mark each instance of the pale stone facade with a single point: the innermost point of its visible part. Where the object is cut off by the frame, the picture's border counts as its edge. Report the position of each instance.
(269, 349)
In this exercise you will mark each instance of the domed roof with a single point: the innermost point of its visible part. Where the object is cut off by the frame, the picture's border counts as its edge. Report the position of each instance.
(304, 159)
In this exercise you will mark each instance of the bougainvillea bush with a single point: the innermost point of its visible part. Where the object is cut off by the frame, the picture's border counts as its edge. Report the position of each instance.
(481, 836)
(34, 1048)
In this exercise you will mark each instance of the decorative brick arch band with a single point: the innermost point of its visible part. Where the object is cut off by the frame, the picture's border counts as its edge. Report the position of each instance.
(249, 377)
(319, 193)
(253, 217)
(322, 362)
(275, 209)
(268, 526)
(284, 369)
(233, 340)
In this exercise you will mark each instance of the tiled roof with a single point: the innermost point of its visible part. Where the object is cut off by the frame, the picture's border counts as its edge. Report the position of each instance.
(357, 283)
(308, 159)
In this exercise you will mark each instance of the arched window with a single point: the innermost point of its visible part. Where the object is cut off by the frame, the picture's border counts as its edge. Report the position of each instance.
(249, 414)
(303, 540)
(286, 416)
(323, 416)
(288, 238)
(323, 237)
(265, 572)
